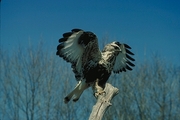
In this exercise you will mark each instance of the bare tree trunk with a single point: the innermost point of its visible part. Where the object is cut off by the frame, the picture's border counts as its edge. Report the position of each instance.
(103, 102)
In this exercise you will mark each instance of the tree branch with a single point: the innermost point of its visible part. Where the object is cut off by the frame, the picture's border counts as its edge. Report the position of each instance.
(103, 102)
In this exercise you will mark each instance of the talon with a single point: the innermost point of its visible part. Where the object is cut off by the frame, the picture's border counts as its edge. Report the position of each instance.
(99, 93)
(98, 90)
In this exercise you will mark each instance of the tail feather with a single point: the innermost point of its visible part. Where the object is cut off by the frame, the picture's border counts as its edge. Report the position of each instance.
(76, 93)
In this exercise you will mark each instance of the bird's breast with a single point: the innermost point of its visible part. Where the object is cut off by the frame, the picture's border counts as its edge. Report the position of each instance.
(99, 71)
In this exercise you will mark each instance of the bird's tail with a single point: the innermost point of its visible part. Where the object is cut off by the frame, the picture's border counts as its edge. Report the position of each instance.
(76, 93)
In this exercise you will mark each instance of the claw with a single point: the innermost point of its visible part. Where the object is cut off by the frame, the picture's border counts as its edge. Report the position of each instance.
(96, 94)
(98, 90)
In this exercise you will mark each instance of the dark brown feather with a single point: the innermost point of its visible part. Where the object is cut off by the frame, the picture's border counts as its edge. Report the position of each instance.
(127, 67)
(68, 34)
(76, 30)
(127, 46)
(130, 57)
(130, 63)
(129, 52)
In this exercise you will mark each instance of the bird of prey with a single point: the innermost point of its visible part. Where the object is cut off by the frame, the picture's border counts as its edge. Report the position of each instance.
(91, 66)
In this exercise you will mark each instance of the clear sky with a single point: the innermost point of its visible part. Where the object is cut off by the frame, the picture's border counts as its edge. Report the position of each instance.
(148, 26)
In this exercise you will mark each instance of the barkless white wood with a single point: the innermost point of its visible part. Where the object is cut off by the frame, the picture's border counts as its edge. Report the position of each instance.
(103, 102)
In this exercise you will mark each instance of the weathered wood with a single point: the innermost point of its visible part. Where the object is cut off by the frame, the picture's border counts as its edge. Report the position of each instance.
(103, 102)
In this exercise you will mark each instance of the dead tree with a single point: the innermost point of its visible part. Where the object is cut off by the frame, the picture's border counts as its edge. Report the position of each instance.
(103, 102)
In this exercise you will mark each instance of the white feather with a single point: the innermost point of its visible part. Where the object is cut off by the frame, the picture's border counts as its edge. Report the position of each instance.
(72, 50)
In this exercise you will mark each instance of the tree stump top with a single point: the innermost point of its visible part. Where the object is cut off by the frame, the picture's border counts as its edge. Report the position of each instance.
(103, 102)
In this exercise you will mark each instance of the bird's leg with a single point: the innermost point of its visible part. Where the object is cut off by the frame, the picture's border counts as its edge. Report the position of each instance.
(98, 90)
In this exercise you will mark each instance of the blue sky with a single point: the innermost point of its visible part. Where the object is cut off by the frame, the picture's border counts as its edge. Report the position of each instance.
(147, 26)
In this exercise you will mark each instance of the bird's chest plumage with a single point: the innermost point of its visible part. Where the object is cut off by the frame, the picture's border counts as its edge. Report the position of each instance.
(100, 71)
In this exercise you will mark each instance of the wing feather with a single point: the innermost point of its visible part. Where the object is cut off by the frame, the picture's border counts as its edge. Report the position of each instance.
(72, 47)
(67, 34)
(69, 48)
(123, 60)
(129, 52)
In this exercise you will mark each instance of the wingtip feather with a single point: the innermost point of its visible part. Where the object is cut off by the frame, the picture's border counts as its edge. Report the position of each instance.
(130, 63)
(129, 52)
(68, 34)
(57, 53)
(132, 59)
(129, 68)
(76, 30)
(123, 69)
(127, 46)
(60, 46)
(63, 39)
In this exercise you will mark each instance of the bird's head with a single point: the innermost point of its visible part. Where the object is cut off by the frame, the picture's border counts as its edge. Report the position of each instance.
(110, 51)
(87, 37)
(113, 47)
(116, 46)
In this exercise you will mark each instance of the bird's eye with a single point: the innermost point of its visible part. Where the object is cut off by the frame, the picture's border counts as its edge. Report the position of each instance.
(117, 43)
(116, 47)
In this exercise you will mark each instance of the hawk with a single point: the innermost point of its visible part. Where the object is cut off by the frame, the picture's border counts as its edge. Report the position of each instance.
(91, 66)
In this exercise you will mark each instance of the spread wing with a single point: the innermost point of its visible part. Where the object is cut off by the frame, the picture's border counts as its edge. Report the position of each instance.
(123, 60)
(78, 47)
(69, 48)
